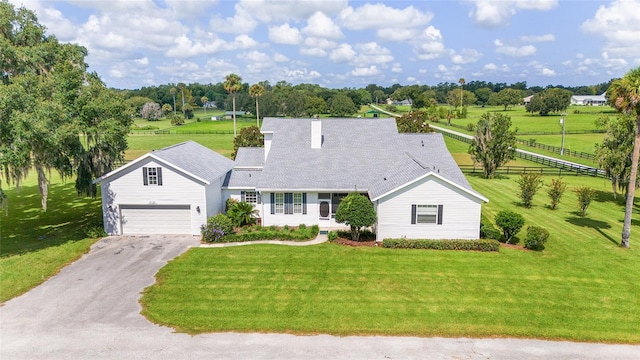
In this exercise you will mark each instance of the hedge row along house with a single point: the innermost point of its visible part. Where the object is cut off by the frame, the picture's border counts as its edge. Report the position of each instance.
(299, 177)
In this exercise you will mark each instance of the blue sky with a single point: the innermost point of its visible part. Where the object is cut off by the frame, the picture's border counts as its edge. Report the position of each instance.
(341, 43)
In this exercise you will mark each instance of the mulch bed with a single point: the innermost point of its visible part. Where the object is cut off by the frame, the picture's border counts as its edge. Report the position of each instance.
(514, 246)
(347, 242)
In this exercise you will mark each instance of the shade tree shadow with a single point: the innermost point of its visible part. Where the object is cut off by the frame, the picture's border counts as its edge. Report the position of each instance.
(597, 225)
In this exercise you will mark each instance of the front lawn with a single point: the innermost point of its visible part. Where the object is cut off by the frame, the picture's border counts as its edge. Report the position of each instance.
(583, 287)
(35, 244)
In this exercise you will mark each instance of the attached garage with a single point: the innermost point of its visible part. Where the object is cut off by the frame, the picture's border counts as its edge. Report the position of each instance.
(155, 219)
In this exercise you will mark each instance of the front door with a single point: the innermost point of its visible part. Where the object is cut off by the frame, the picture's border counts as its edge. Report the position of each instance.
(324, 207)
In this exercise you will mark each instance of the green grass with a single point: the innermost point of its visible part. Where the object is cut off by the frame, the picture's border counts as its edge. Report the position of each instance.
(142, 144)
(582, 287)
(35, 244)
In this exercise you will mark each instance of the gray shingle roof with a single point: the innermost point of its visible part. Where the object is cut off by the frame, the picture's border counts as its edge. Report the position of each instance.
(355, 154)
(196, 159)
(250, 157)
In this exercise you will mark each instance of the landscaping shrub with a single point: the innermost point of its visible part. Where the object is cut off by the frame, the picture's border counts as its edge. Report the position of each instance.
(357, 211)
(229, 204)
(471, 127)
(242, 213)
(555, 192)
(272, 233)
(95, 232)
(510, 222)
(536, 237)
(488, 230)
(475, 245)
(365, 235)
(332, 236)
(177, 120)
(528, 185)
(585, 195)
(216, 228)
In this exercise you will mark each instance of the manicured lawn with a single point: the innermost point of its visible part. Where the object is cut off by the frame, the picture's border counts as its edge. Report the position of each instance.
(142, 144)
(582, 287)
(35, 244)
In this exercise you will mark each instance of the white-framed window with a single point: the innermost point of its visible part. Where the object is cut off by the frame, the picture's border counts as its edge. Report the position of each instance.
(297, 203)
(279, 203)
(288, 203)
(152, 176)
(250, 196)
(426, 214)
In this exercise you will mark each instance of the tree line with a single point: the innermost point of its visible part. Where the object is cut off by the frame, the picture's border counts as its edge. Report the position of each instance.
(286, 99)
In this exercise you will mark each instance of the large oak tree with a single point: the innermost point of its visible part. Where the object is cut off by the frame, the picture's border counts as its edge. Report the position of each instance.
(53, 114)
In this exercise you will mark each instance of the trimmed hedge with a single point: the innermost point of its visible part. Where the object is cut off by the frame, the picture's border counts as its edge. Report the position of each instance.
(477, 245)
(272, 233)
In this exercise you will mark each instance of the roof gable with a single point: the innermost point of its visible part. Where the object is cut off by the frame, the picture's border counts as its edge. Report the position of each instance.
(189, 158)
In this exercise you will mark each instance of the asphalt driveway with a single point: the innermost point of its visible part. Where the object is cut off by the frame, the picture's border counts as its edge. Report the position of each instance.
(90, 310)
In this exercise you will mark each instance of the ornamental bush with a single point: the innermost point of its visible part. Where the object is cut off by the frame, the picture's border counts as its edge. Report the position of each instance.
(585, 195)
(468, 245)
(510, 222)
(536, 237)
(488, 230)
(528, 183)
(357, 211)
(216, 228)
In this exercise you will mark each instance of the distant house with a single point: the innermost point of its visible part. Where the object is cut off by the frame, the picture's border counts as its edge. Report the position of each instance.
(229, 114)
(527, 100)
(300, 176)
(589, 100)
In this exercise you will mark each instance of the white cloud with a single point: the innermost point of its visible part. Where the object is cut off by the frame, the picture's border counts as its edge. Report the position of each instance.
(397, 35)
(547, 72)
(284, 10)
(285, 34)
(429, 45)
(514, 51)
(366, 71)
(314, 52)
(376, 16)
(142, 61)
(241, 23)
(466, 56)
(491, 14)
(301, 75)
(372, 53)
(396, 68)
(342, 54)
(320, 25)
(619, 25)
(491, 67)
(537, 38)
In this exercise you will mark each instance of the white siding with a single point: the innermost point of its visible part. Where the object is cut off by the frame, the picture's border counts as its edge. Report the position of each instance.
(460, 218)
(310, 218)
(127, 188)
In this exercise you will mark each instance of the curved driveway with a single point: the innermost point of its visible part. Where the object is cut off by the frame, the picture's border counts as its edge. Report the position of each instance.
(90, 310)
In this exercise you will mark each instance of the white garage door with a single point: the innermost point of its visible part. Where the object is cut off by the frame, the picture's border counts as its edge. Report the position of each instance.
(155, 219)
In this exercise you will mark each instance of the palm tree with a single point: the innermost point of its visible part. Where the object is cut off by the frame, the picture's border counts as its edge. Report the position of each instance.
(256, 90)
(624, 96)
(172, 91)
(461, 82)
(233, 84)
(181, 86)
(204, 100)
